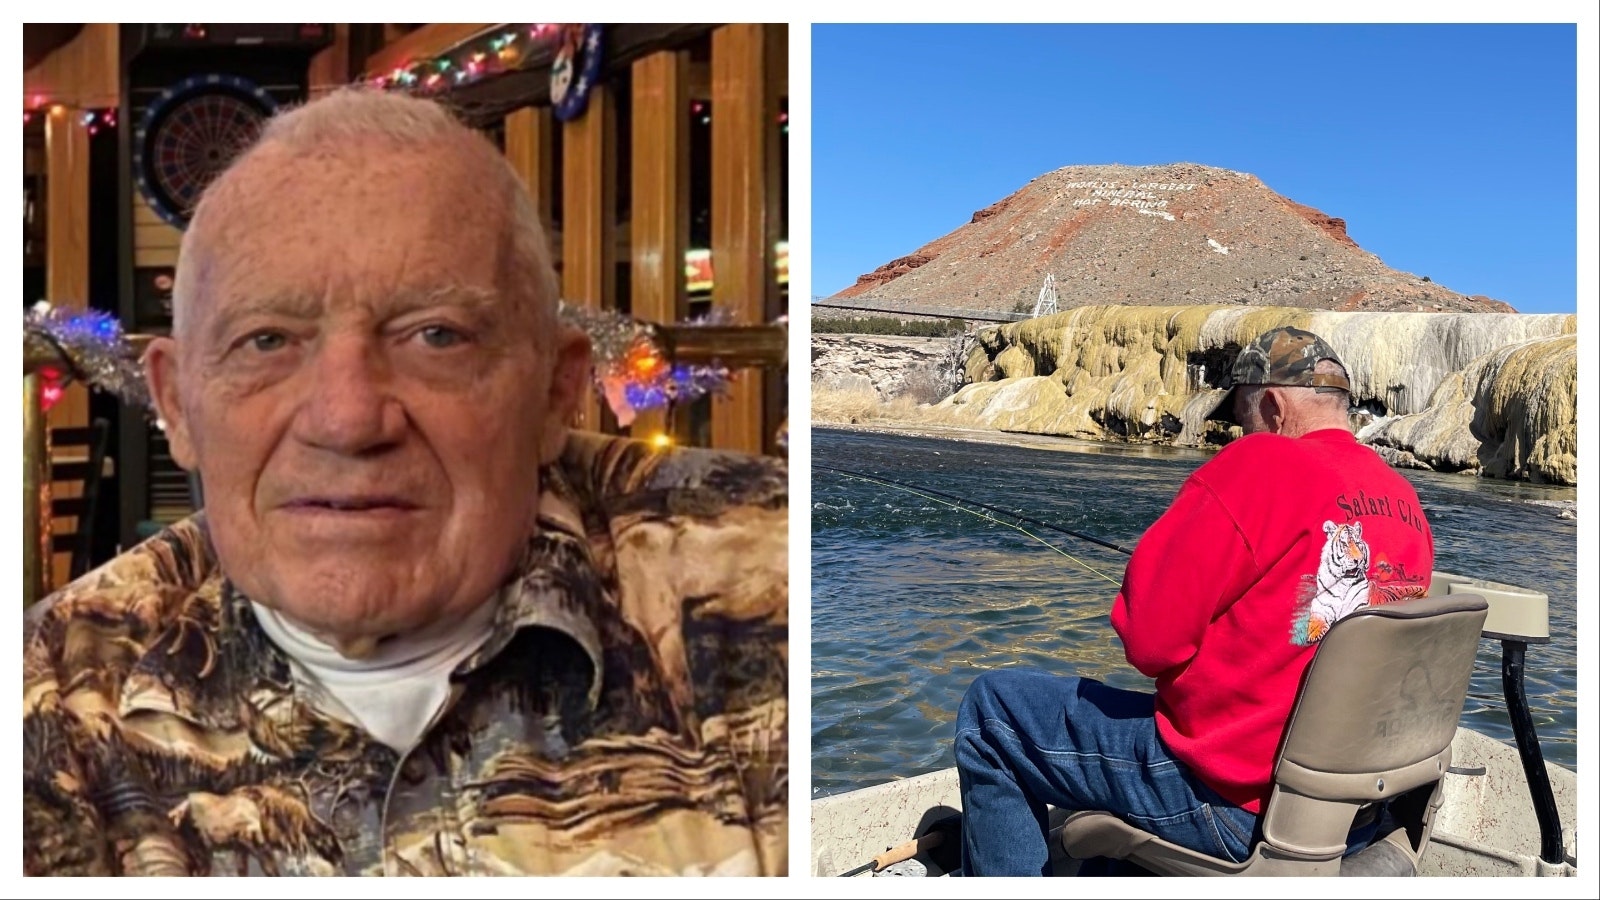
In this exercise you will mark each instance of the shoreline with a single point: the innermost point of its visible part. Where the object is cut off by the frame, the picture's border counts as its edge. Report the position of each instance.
(1016, 439)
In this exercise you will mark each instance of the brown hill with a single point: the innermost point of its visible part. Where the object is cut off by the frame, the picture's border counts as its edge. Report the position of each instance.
(1154, 235)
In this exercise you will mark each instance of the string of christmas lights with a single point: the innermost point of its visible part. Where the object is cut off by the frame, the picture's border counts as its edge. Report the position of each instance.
(91, 117)
(494, 52)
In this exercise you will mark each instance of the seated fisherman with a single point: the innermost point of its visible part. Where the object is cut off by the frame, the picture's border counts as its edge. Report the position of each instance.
(420, 626)
(1281, 534)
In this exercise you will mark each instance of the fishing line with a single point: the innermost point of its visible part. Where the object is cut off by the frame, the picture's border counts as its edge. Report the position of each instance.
(946, 499)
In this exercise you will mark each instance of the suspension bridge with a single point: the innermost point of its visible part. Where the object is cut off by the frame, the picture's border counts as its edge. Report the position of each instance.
(1047, 304)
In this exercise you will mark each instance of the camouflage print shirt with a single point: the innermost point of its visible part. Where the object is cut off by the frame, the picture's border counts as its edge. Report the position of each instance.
(628, 714)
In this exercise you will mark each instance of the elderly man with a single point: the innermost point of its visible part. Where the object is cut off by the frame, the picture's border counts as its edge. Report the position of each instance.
(420, 627)
(1268, 544)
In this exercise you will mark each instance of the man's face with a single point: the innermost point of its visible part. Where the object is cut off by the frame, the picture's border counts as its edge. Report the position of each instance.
(367, 404)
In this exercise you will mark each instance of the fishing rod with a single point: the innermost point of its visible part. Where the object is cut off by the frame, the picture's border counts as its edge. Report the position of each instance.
(917, 489)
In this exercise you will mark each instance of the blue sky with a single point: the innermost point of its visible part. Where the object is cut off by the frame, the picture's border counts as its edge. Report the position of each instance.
(1450, 150)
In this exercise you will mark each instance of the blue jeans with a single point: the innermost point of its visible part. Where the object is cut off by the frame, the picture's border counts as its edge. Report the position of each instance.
(1029, 740)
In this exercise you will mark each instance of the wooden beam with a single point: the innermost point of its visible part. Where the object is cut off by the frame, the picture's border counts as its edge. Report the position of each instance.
(41, 40)
(488, 100)
(588, 219)
(744, 215)
(424, 43)
(530, 148)
(660, 205)
(83, 72)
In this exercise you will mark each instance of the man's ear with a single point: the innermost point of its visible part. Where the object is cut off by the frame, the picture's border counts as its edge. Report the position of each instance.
(569, 384)
(1272, 409)
(161, 372)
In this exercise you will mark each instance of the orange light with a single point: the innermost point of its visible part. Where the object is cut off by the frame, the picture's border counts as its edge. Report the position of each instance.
(644, 363)
(57, 109)
(661, 439)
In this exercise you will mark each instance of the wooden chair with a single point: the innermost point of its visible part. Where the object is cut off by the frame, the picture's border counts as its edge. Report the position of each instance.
(1374, 720)
(84, 469)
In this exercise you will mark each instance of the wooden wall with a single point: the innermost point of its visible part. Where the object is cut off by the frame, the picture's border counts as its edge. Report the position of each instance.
(744, 81)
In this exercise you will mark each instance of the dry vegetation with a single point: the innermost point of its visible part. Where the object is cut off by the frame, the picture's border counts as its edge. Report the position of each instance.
(846, 406)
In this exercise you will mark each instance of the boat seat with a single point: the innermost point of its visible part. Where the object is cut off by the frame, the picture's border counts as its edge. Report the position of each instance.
(1375, 715)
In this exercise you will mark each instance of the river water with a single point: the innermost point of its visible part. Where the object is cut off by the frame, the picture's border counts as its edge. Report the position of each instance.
(911, 598)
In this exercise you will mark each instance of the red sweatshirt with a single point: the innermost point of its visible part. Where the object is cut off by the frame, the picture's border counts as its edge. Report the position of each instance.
(1226, 595)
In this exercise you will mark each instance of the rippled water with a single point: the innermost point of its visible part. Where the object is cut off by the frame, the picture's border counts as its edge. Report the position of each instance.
(911, 599)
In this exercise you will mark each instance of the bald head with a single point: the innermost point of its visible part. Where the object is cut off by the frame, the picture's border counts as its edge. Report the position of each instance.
(364, 154)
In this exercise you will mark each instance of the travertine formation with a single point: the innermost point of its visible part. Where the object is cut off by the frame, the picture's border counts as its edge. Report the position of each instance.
(1495, 393)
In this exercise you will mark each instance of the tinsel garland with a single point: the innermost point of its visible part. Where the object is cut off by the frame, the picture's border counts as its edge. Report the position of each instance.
(86, 346)
(632, 367)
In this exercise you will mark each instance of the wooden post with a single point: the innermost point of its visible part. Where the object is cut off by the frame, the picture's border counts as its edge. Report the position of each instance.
(67, 236)
(36, 575)
(529, 149)
(588, 219)
(66, 280)
(745, 84)
(660, 201)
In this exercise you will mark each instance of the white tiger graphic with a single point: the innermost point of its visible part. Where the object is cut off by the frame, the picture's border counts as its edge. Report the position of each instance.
(1342, 585)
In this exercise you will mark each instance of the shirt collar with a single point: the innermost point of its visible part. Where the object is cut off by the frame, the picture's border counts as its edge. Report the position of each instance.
(214, 652)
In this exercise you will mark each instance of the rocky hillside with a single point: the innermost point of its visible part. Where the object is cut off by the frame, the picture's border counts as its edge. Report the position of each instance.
(1175, 235)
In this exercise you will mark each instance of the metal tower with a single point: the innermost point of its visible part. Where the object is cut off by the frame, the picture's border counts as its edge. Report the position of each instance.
(1047, 298)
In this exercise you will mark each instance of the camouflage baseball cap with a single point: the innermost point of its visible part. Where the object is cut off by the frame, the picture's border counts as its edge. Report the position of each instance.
(1286, 357)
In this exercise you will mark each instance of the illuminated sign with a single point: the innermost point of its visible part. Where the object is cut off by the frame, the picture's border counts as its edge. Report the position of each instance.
(697, 268)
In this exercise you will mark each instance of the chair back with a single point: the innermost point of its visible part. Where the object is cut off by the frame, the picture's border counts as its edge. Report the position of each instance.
(78, 459)
(1375, 717)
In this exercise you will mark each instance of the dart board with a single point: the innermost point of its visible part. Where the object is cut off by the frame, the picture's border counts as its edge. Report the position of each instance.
(190, 134)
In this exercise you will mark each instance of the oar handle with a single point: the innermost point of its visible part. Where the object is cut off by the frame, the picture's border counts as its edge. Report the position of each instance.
(899, 854)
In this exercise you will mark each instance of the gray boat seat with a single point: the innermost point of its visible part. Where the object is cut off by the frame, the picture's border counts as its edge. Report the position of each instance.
(1373, 722)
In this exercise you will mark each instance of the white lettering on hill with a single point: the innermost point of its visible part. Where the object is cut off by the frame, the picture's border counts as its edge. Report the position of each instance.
(1141, 196)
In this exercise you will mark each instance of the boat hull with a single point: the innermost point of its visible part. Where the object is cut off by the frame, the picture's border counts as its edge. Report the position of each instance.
(1485, 827)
